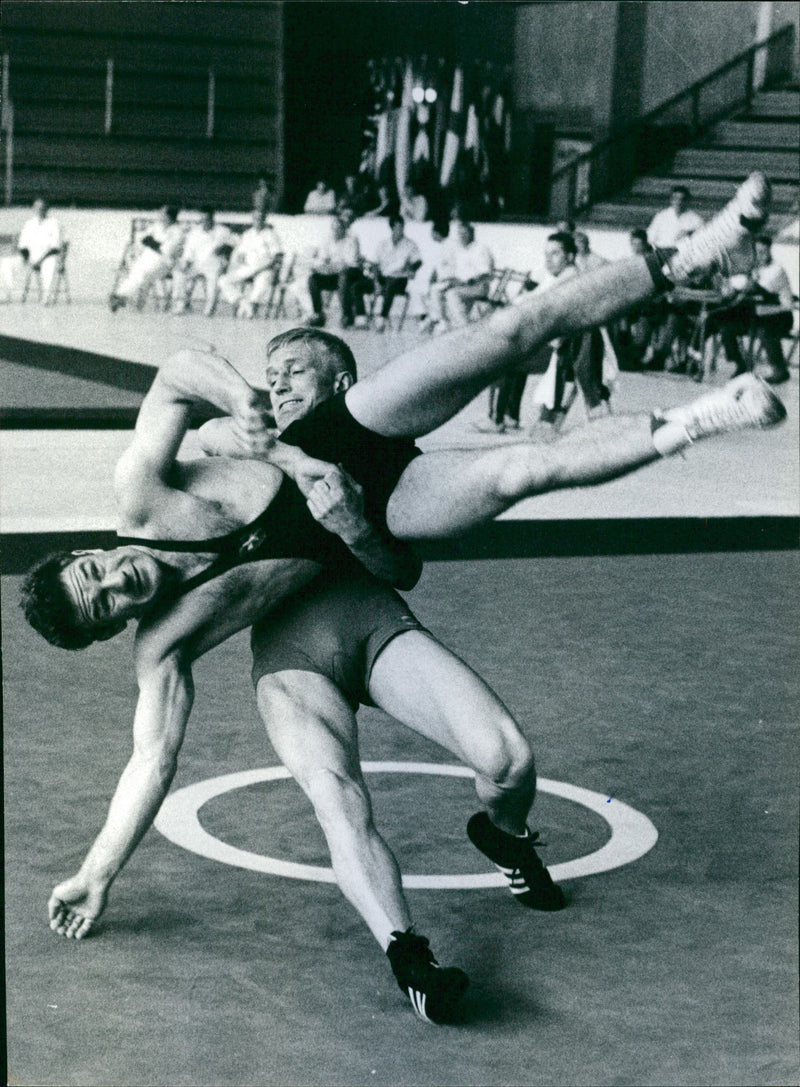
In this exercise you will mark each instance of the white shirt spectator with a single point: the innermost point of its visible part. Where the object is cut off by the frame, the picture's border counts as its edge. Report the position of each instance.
(202, 245)
(336, 254)
(320, 202)
(590, 262)
(668, 227)
(40, 236)
(257, 248)
(397, 261)
(465, 262)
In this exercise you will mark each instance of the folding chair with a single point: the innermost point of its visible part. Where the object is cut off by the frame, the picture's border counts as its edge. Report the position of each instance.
(495, 297)
(59, 281)
(277, 299)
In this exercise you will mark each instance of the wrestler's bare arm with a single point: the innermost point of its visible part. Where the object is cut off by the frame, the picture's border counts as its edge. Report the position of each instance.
(166, 646)
(186, 379)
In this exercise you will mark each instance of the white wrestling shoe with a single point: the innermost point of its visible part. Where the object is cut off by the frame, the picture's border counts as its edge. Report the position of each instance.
(725, 242)
(743, 404)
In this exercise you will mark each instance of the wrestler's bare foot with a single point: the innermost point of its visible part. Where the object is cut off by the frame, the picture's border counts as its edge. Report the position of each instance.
(75, 905)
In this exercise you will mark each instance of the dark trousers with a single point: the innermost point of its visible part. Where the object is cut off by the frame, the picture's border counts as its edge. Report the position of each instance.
(580, 359)
(343, 283)
(506, 397)
(769, 329)
(389, 287)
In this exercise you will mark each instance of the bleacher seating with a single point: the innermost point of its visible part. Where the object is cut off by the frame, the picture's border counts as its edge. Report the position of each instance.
(763, 136)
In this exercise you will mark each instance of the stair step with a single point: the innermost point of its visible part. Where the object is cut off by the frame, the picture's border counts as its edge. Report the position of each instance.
(709, 162)
(779, 103)
(736, 133)
(630, 216)
(63, 119)
(710, 189)
(128, 189)
(107, 153)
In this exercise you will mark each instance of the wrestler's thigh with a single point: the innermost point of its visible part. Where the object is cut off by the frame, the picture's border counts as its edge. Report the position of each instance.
(310, 724)
(424, 387)
(427, 687)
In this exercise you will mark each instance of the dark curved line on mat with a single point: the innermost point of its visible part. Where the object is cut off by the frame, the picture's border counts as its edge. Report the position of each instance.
(514, 539)
(68, 418)
(106, 369)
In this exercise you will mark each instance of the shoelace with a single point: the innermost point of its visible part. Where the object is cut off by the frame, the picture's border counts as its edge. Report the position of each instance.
(718, 411)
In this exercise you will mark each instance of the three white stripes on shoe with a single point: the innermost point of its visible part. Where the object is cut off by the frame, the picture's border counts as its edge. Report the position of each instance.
(516, 880)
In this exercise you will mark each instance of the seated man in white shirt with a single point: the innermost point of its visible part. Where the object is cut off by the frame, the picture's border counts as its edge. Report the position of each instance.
(675, 222)
(397, 261)
(250, 274)
(40, 243)
(159, 250)
(336, 266)
(205, 256)
(321, 200)
(764, 310)
(462, 278)
(586, 260)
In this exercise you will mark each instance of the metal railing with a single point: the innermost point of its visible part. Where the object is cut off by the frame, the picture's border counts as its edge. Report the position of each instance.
(614, 163)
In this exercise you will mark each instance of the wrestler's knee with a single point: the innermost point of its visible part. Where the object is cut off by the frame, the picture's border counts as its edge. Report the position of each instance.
(509, 762)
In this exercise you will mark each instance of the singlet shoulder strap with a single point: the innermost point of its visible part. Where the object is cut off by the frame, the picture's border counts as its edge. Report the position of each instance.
(217, 544)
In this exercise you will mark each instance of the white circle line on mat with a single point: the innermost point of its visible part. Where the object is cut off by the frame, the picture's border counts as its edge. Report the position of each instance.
(632, 833)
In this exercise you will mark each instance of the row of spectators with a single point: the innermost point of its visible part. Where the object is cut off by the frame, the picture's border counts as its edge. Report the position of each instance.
(444, 286)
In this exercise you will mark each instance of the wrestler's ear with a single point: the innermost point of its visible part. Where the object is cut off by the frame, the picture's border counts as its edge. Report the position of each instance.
(342, 381)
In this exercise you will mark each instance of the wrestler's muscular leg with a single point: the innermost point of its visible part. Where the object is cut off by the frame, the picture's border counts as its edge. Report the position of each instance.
(428, 688)
(450, 491)
(423, 388)
(313, 731)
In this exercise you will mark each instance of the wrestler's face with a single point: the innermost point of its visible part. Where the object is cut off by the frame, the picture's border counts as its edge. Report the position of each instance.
(109, 587)
(297, 381)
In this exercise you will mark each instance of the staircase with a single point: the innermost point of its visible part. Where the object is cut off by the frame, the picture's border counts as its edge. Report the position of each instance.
(765, 136)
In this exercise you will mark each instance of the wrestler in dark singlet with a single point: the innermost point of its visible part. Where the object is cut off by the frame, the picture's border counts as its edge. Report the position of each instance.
(284, 530)
(330, 433)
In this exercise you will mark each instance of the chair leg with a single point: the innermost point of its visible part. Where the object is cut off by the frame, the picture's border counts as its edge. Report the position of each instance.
(403, 313)
(27, 284)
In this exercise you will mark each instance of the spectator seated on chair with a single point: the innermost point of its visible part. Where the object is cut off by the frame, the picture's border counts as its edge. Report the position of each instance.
(158, 252)
(388, 204)
(586, 260)
(397, 260)
(321, 200)
(414, 205)
(251, 271)
(672, 224)
(463, 277)
(336, 266)
(638, 329)
(39, 246)
(762, 310)
(354, 196)
(205, 256)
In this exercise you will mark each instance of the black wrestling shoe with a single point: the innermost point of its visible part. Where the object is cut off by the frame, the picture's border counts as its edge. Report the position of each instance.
(434, 991)
(528, 879)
